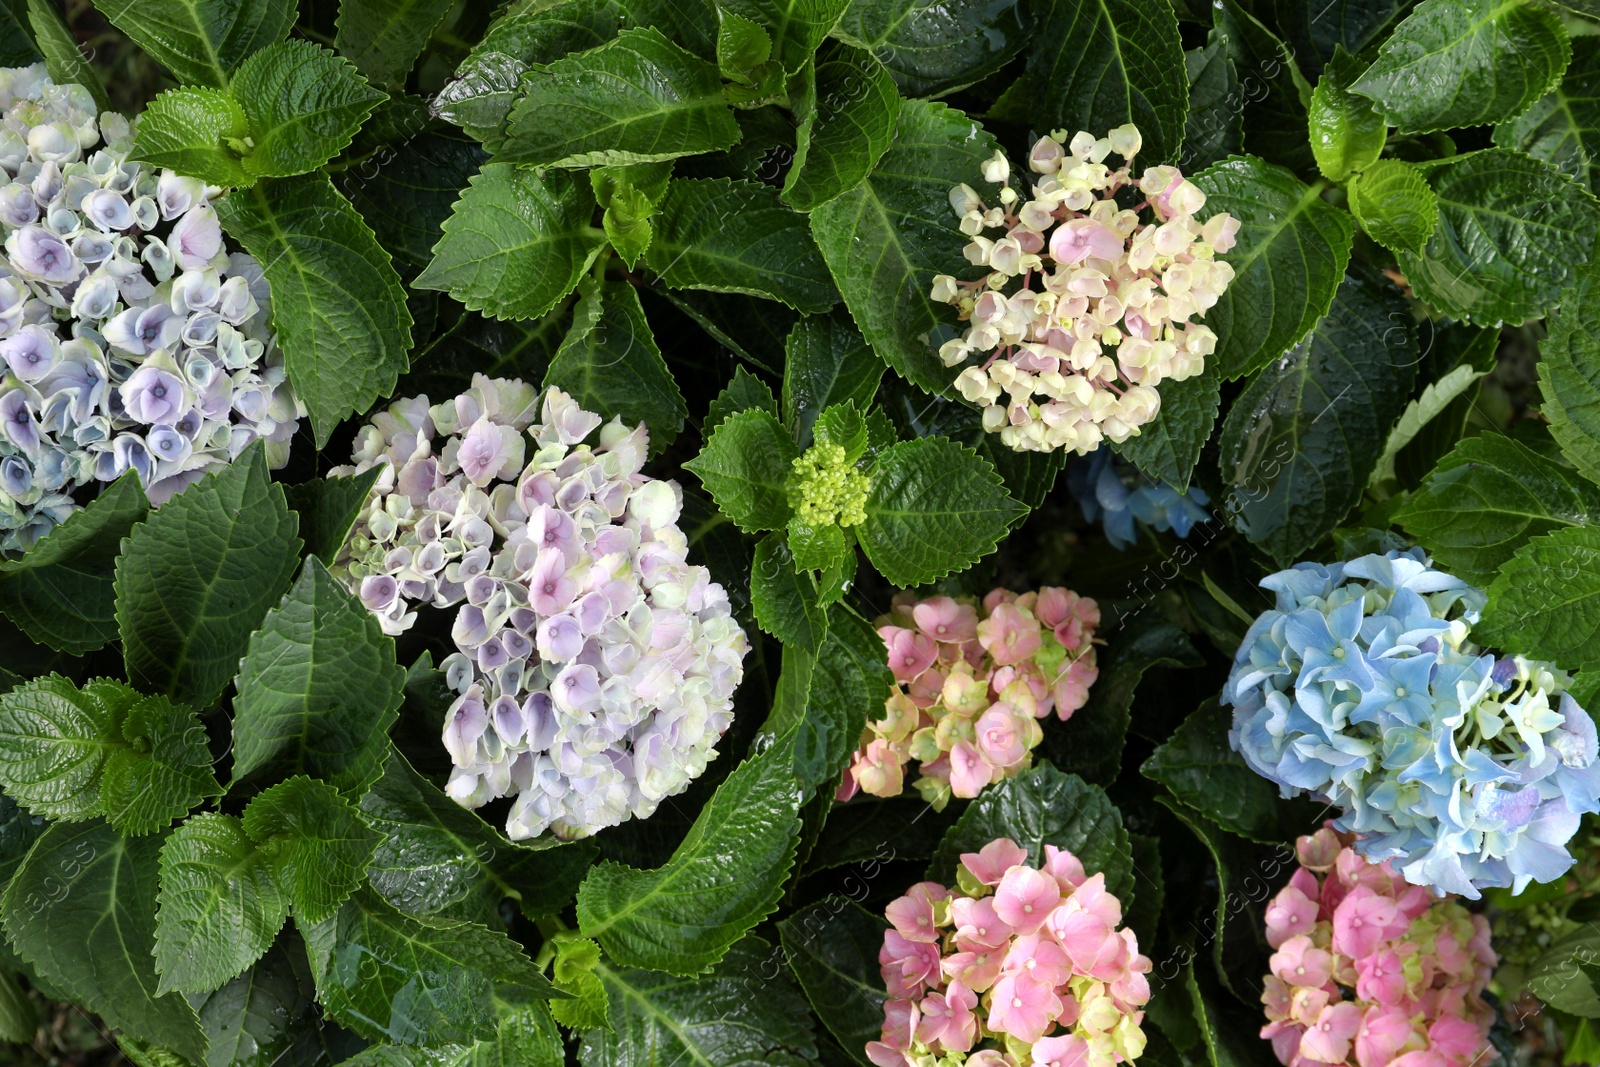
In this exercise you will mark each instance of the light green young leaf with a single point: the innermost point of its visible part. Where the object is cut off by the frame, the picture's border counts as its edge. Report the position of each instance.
(1167, 449)
(196, 578)
(847, 122)
(518, 241)
(1395, 205)
(1300, 442)
(817, 548)
(317, 841)
(221, 905)
(724, 878)
(744, 391)
(202, 42)
(1563, 127)
(318, 689)
(305, 105)
(1095, 66)
(885, 239)
(63, 60)
(1546, 602)
(161, 772)
(934, 49)
(60, 592)
(198, 132)
(745, 466)
(1455, 63)
(1488, 498)
(843, 425)
(738, 237)
(610, 364)
(935, 507)
(383, 38)
(828, 362)
(1569, 375)
(1435, 398)
(637, 98)
(435, 981)
(82, 910)
(744, 1012)
(742, 45)
(337, 303)
(1347, 135)
(1291, 253)
(573, 971)
(796, 27)
(1512, 231)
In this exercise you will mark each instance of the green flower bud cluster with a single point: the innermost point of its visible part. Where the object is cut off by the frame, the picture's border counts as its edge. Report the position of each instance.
(827, 488)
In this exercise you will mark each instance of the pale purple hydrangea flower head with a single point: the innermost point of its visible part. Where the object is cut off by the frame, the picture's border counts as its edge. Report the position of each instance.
(595, 666)
(130, 338)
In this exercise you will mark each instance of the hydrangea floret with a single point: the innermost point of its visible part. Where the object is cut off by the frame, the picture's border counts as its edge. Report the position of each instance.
(1371, 971)
(970, 689)
(1071, 354)
(1015, 966)
(594, 666)
(1363, 688)
(827, 488)
(131, 338)
(1112, 492)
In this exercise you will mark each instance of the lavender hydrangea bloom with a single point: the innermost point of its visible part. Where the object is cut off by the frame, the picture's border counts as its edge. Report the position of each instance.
(129, 338)
(1363, 688)
(595, 667)
(1112, 492)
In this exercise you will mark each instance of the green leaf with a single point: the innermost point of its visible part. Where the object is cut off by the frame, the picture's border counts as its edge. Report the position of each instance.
(742, 45)
(784, 598)
(267, 1016)
(1559, 978)
(1029, 476)
(1395, 205)
(738, 237)
(305, 105)
(745, 466)
(576, 958)
(317, 841)
(817, 548)
(1167, 449)
(54, 740)
(886, 238)
(1291, 253)
(518, 241)
(221, 905)
(847, 121)
(408, 199)
(162, 772)
(1230, 1040)
(934, 49)
(1436, 399)
(1272, 95)
(935, 507)
(1466, 63)
(410, 980)
(487, 82)
(19, 1016)
(82, 911)
(16, 42)
(64, 61)
(383, 38)
(743, 392)
(828, 363)
(724, 878)
(328, 507)
(837, 689)
(1347, 135)
(60, 592)
(19, 829)
(634, 99)
(1214, 128)
(196, 578)
(201, 42)
(843, 425)
(337, 303)
(832, 947)
(1203, 772)
(1563, 126)
(1039, 807)
(796, 27)
(1488, 498)
(193, 131)
(1569, 375)
(318, 689)
(1512, 231)
(1090, 744)
(610, 364)
(1100, 65)
(1546, 602)
(438, 858)
(1301, 441)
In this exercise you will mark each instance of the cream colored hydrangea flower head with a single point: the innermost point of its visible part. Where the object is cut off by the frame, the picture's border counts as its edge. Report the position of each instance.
(1087, 303)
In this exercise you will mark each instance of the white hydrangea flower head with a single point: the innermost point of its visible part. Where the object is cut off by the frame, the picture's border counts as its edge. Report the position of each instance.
(130, 338)
(1071, 354)
(594, 666)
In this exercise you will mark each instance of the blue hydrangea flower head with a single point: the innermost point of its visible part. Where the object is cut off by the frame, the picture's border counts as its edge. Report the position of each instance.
(1112, 492)
(1363, 688)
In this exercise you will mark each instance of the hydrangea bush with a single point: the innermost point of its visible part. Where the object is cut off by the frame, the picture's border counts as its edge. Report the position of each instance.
(509, 516)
